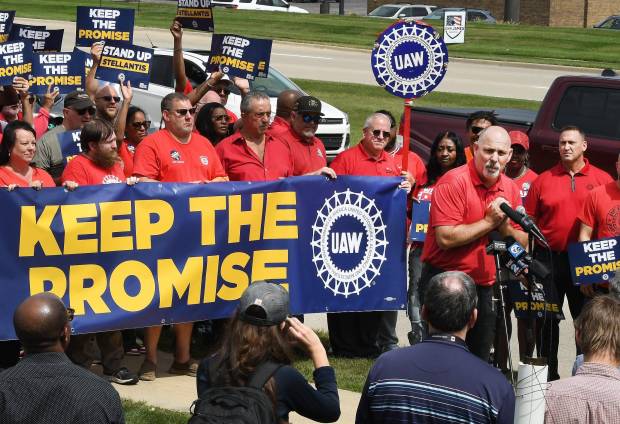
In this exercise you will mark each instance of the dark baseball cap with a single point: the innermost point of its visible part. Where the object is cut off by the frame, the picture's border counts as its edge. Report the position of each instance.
(78, 100)
(264, 304)
(308, 104)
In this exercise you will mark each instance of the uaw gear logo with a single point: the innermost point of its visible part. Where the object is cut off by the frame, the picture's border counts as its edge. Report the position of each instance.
(454, 26)
(409, 59)
(110, 179)
(176, 156)
(348, 243)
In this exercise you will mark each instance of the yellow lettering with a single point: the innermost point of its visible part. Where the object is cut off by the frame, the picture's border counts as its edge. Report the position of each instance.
(74, 228)
(33, 231)
(211, 273)
(238, 218)
(79, 295)
(145, 228)
(110, 226)
(38, 276)
(145, 280)
(260, 270)
(188, 280)
(207, 207)
(274, 215)
(233, 275)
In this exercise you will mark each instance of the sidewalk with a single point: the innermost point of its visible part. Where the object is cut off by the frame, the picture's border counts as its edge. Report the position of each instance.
(178, 392)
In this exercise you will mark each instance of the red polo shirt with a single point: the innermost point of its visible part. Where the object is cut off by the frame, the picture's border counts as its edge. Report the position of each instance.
(524, 182)
(162, 157)
(307, 157)
(242, 164)
(8, 177)
(460, 197)
(126, 151)
(601, 211)
(555, 198)
(355, 161)
(415, 164)
(278, 126)
(85, 172)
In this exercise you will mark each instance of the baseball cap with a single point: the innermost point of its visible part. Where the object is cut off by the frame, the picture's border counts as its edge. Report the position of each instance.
(78, 100)
(520, 138)
(308, 104)
(263, 304)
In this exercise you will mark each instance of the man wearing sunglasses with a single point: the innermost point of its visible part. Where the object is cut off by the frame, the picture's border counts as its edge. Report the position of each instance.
(355, 333)
(51, 154)
(45, 387)
(476, 122)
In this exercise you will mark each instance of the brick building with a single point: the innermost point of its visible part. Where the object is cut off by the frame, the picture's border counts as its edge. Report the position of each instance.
(569, 13)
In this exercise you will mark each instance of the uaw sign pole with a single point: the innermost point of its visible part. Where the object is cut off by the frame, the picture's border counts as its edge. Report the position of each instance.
(409, 60)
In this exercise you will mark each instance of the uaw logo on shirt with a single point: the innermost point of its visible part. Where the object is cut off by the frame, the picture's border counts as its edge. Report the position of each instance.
(110, 179)
(319, 153)
(176, 156)
(348, 243)
(204, 160)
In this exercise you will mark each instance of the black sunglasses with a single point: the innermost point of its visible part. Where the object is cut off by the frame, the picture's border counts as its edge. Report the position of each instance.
(380, 134)
(476, 130)
(183, 112)
(221, 90)
(310, 118)
(91, 111)
(137, 125)
(109, 98)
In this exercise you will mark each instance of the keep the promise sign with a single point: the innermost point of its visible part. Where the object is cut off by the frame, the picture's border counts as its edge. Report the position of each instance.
(195, 14)
(240, 56)
(64, 71)
(6, 21)
(121, 62)
(42, 39)
(594, 261)
(103, 24)
(15, 60)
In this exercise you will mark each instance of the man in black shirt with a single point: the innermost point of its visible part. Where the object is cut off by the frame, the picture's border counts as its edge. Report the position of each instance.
(45, 386)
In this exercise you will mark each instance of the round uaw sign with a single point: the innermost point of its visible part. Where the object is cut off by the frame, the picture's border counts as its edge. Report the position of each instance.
(348, 243)
(409, 59)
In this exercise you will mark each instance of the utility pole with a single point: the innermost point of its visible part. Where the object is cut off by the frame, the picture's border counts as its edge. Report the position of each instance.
(512, 9)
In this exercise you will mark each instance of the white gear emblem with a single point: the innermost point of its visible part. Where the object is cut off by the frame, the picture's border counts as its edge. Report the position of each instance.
(366, 263)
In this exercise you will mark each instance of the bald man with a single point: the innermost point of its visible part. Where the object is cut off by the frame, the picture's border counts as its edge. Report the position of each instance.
(45, 386)
(285, 105)
(466, 208)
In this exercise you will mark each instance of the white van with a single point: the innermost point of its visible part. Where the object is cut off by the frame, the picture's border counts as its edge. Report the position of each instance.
(268, 5)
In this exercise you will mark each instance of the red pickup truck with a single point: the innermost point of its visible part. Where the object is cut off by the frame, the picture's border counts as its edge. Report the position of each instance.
(590, 102)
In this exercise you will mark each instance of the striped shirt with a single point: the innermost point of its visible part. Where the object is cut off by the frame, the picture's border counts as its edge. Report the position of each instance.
(437, 381)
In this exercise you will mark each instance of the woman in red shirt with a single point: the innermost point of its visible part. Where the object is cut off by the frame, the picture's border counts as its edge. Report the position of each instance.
(16, 152)
(136, 129)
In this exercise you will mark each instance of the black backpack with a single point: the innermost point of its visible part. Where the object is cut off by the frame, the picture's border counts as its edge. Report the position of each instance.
(236, 404)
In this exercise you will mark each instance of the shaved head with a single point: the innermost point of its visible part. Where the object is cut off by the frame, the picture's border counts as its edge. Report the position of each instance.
(286, 102)
(40, 322)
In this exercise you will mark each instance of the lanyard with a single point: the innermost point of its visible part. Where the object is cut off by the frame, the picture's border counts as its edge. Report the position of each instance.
(446, 338)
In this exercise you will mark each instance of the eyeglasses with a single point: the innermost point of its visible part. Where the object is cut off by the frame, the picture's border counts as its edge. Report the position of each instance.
(310, 118)
(476, 130)
(90, 110)
(183, 112)
(138, 125)
(109, 98)
(70, 314)
(222, 90)
(380, 134)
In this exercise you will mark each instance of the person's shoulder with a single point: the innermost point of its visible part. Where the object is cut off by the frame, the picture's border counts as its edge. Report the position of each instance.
(600, 174)
(51, 135)
(226, 142)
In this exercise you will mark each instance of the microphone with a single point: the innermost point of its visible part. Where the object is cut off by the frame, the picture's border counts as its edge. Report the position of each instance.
(517, 260)
(520, 217)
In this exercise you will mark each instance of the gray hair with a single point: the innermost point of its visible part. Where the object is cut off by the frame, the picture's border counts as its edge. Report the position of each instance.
(449, 300)
(252, 96)
(374, 116)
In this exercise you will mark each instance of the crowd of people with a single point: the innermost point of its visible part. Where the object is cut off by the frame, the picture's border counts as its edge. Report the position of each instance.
(455, 324)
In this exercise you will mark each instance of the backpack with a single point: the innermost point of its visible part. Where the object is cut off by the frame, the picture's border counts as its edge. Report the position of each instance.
(247, 404)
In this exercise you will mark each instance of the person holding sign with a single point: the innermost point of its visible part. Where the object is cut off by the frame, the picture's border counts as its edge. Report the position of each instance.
(16, 154)
(555, 199)
(600, 217)
(16, 103)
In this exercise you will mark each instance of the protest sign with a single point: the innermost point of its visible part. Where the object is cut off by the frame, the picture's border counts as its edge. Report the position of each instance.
(240, 56)
(126, 257)
(103, 24)
(195, 14)
(6, 21)
(420, 213)
(121, 62)
(454, 26)
(61, 70)
(42, 39)
(70, 146)
(594, 261)
(15, 60)
(540, 304)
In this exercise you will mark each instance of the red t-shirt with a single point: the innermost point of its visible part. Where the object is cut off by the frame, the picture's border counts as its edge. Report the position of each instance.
(242, 164)
(232, 117)
(524, 182)
(8, 177)
(415, 164)
(85, 172)
(126, 151)
(555, 198)
(278, 126)
(460, 197)
(162, 157)
(307, 157)
(355, 161)
(601, 211)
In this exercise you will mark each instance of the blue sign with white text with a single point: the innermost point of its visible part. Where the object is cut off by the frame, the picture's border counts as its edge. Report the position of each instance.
(103, 24)
(420, 213)
(63, 71)
(42, 39)
(69, 144)
(594, 261)
(240, 56)
(121, 62)
(15, 60)
(195, 14)
(6, 21)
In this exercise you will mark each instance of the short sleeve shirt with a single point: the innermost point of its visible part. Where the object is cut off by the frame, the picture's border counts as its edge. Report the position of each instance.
(84, 171)
(355, 161)
(161, 157)
(460, 197)
(242, 164)
(8, 177)
(278, 126)
(415, 164)
(601, 211)
(524, 183)
(126, 151)
(307, 157)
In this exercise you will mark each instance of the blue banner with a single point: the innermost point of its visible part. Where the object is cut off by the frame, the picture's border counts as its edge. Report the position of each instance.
(594, 261)
(195, 14)
(103, 24)
(240, 56)
(6, 21)
(64, 71)
(126, 257)
(70, 146)
(540, 304)
(120, 62)
(42, 39)
(15, 61)
(420, 213)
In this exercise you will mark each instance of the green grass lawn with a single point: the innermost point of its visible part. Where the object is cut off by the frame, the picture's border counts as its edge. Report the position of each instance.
(141, 413)
(505, 42)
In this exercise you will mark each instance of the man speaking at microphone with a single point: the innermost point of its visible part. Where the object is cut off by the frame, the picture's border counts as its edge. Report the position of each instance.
(466, 208)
